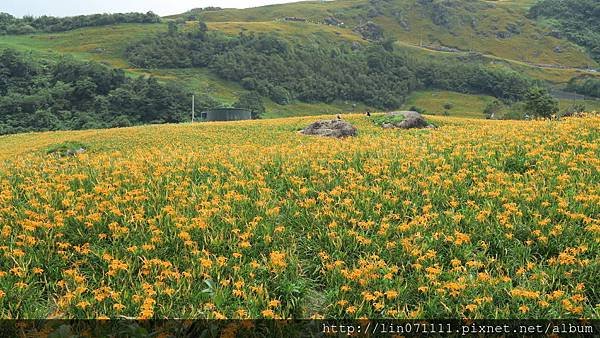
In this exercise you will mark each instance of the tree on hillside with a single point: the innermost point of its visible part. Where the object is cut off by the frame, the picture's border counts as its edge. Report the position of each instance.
(251, 101)
(589, 86)
(493, 108)
(539, 103)
(447, 106)
(202, 27)
(173, 28)
(388, 44)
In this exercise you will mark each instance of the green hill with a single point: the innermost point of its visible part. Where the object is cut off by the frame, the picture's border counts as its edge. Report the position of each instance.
(490, 33)
(499, 28)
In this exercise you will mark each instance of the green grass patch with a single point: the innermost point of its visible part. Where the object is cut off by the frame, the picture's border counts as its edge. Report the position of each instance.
(462, 105)
(104, 44)
(590, 105)
(297, 108)
(380, 120)
(66, 148)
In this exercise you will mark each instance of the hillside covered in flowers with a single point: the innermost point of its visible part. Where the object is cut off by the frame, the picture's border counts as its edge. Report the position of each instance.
(477, 219)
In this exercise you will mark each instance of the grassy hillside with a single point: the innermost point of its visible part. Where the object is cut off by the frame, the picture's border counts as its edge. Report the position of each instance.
(549, 73)
(498, 28)
(305, 32)
(463, 105)
(107, 44)
(471, 106)
(479, 219)
(467, 26)
(313, 11)
(576, 20)
(103, 44)
(593, 105)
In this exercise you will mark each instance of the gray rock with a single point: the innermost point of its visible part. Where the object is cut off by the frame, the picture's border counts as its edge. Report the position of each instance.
(406, 114)
(294, 18)
(330, 128)
(503, 35)
(411, 119)
(370, 31)
(556, 34)
(447, 49)
(332, 21)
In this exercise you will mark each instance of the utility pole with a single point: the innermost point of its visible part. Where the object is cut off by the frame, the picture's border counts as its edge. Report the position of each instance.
(193, 111)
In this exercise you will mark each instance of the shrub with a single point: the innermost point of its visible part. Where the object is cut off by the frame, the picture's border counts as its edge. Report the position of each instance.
(574, 109)
(493, 108)
(419, 110)
(539, 103)
(384, 119)
(66, 148)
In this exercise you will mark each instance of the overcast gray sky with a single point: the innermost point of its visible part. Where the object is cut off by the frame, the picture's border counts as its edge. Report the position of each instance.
(77, 7)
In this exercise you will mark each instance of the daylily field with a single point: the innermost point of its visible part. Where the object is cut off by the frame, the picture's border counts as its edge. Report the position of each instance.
(477, 219)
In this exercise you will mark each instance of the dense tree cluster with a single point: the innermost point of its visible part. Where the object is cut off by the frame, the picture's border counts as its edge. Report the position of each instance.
(492, 108)
(27, 25)
(376, 74)
(68, 94)
(539, 103)
(252, 102)
(578, 20)
(588, 86)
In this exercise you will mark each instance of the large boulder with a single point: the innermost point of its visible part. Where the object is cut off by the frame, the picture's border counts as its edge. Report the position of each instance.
(330, 128)
(405, 120)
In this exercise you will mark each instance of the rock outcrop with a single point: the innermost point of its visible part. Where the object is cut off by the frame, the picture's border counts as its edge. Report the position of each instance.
(330, 128)
(406, 120)
(370, 31)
